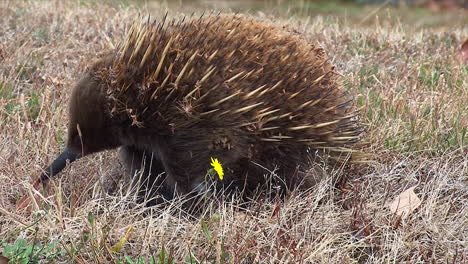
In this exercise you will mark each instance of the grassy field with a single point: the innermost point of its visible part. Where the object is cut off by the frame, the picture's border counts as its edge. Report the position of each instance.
(403, 69)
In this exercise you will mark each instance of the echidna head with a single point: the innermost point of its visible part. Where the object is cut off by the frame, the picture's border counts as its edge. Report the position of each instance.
(90, 127)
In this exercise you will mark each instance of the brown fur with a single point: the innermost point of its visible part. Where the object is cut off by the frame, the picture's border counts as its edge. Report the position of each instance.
(242, 90)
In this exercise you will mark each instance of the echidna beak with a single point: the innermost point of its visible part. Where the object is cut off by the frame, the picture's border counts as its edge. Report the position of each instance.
(58, 164)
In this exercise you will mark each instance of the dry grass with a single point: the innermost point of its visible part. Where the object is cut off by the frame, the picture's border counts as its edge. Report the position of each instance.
(411, 86)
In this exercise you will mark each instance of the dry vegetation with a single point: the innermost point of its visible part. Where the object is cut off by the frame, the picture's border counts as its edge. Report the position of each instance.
(414, 95)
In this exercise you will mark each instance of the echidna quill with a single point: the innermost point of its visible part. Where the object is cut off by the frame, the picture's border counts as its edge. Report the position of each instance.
(245, 91)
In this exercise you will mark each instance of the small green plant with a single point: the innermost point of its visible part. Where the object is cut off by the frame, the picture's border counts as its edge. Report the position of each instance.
(23, 251)
(35, 251)
(6, 90)
(41, 35)
(163, 257)
(33, 106)
(213, 238)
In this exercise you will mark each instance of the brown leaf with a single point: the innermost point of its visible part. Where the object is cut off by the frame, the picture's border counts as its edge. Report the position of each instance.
(464, 51)
(4, 260)
(276, 210)
(444, 5)
(405, 203)
(24, 205)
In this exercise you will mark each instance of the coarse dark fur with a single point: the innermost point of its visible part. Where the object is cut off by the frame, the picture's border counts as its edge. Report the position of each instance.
(250, 93)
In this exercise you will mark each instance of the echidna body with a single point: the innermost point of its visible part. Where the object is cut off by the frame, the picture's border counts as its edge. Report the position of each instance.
(242, 90)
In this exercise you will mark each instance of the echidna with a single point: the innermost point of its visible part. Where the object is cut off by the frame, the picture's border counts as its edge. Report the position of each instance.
(243, 90)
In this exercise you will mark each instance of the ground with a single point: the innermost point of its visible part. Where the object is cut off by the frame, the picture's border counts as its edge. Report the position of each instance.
(401, 65)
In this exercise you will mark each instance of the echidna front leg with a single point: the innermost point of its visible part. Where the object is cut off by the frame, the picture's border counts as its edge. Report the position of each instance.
(188, 159)
(145, 170)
